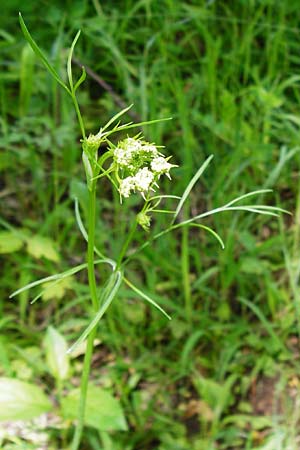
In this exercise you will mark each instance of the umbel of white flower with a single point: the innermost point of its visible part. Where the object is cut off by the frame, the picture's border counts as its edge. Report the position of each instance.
(139, 165)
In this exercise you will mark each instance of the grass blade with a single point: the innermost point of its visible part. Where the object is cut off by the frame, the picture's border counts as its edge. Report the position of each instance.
(191, 185)
(268, 326)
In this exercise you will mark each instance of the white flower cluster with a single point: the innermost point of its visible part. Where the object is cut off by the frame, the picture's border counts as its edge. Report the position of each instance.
(131, 153)
(160, 165)
(140, 182)
(139, 166)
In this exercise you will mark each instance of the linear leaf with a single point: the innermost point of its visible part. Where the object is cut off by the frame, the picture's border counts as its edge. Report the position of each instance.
(127, 126)
(210, 230)
(109, 293)
(85, 235)
(57, 276)
(69, 63)
(81, 79)
(249, 194)
(147, 298)
(191, 185)
(40, 54)
(115, 117)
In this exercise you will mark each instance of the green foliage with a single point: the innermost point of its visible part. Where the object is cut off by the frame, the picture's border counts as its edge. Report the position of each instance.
(22, 401)
(103, 410)
(223, 373)
(56, 354)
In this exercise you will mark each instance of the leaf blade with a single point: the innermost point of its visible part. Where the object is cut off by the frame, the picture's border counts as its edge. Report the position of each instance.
(40, 54)
(115, 281)
(191, 185)
(147, 298)
(21, 400)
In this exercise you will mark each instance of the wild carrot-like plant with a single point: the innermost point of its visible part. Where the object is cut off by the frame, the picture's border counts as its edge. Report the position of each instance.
(133, 166)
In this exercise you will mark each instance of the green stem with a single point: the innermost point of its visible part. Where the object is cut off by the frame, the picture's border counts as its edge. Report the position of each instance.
(126, 244)
(79, 116)
(91, 337)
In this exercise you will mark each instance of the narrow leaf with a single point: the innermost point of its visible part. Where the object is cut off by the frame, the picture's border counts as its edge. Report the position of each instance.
(80, 80)
(191, 185)
(210, 230)
(134, 125)
(57, 276)
(147, 298)
(69, 63)
(85, 235)
(108, 294)
(115, 117)
(249, 194)
(40, 54)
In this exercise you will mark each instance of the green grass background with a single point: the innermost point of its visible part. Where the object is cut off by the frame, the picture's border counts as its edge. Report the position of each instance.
(223, 374)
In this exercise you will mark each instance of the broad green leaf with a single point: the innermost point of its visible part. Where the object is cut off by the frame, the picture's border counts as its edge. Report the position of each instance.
(39, 246)
(56, 354)
(21, 401)
(56, 289)
(103, 411)
(254, 266)
(10, 242)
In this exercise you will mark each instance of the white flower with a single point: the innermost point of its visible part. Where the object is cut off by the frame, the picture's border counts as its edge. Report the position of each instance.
(140, 165)
(126, 186)
(122, 156)
(150, 149)
(160, 165)
(143, 179)
(132, 144)
(133, 153)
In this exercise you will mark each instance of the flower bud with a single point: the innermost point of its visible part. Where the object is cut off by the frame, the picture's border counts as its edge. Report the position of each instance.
(144, 220)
